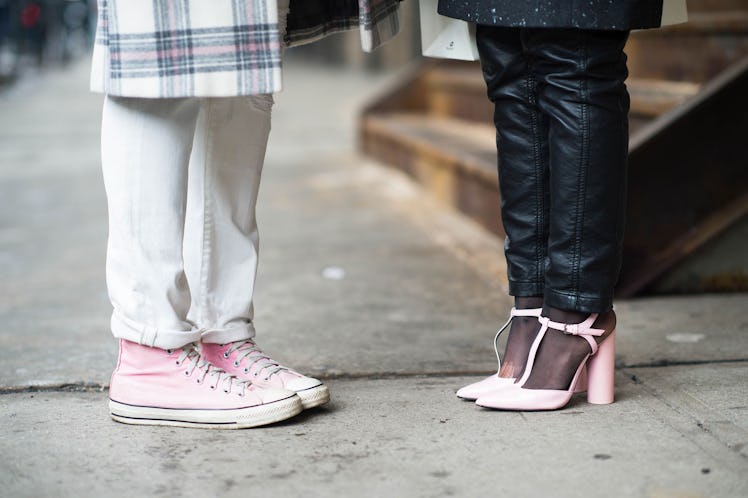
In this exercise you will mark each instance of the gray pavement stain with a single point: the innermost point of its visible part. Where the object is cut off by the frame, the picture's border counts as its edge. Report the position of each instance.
(410, 319)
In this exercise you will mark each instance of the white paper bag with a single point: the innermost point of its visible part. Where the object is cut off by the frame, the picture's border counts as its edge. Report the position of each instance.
(674, 12)
(444, 37)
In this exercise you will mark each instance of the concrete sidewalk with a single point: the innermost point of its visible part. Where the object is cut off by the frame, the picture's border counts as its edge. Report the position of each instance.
(410, 322)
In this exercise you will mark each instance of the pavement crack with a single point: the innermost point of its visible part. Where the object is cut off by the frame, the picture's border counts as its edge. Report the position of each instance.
(670, 363)
(691, 412)
(98, 387)
(74, 387)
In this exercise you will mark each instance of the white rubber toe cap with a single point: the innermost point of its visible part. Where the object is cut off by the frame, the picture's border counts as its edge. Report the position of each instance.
(271, 395)
(302, 384)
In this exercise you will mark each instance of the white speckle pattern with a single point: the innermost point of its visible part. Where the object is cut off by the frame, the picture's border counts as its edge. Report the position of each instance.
(593, 14)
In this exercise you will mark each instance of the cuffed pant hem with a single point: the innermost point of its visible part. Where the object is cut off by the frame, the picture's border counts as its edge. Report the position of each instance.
(575, 302)
(526, 289)
(239, 332)
(130, 330)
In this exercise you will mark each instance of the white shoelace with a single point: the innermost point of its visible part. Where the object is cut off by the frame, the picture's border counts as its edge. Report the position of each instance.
(252, 354)
(192, 359)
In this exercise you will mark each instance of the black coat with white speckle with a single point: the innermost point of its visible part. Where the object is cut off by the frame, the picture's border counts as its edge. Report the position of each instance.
(581, 14)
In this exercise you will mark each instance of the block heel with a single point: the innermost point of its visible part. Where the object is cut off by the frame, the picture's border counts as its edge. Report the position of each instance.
(600, 372)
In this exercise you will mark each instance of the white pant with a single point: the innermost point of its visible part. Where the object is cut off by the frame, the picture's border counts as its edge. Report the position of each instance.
(181, 177)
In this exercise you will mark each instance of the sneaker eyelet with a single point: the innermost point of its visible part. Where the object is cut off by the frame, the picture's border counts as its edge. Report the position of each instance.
(241, 395)
(246, 370)
(266, 379)
(254, 374)
(178, 362)
(199, 381)
(213, 387)
(236, 363)
(169, 351)
(226, 391)
(226, 354)
(187, 373)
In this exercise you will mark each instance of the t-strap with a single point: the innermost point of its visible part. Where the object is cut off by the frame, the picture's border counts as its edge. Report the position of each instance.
(536, 312)
(583, 329)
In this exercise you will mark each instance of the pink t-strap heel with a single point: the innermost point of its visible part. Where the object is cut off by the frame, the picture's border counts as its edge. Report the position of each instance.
(477, 389)
(600, 362)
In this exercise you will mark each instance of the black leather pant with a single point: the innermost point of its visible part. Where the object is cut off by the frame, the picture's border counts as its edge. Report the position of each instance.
(561, 116)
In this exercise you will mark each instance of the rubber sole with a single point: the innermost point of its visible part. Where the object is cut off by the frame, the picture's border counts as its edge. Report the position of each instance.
(314, 396)
(240, 418)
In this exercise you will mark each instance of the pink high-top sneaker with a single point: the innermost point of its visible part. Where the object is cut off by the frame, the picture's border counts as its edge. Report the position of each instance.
(247, 361)
(152, 386)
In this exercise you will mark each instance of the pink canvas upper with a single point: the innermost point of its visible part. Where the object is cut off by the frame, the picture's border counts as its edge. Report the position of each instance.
(247, 361)
(180, 379)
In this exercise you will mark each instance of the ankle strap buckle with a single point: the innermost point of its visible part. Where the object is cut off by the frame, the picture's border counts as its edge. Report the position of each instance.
(583, 328)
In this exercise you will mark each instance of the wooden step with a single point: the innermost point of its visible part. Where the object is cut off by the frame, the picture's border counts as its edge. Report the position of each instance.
(453, 159)
(715, 5)
(688, 180)
(458, 90)
(694, 51)
(701, 24)
(652, 97)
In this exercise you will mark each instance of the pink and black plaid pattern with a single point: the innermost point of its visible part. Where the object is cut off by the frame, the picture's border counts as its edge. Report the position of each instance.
(379, 22)
(236, 56)
(185, 48)
(311, 20)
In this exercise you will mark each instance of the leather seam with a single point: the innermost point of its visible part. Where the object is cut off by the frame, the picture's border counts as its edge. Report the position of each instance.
(208, 210)
(583, 166)
(531, 100)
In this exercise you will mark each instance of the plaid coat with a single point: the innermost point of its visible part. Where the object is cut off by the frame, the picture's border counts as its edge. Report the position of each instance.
(217, 48)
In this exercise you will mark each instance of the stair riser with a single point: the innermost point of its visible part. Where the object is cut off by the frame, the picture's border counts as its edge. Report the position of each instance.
(446, 179)
(683, 58)
(715, 5)
(460, 103)
(463, 95)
